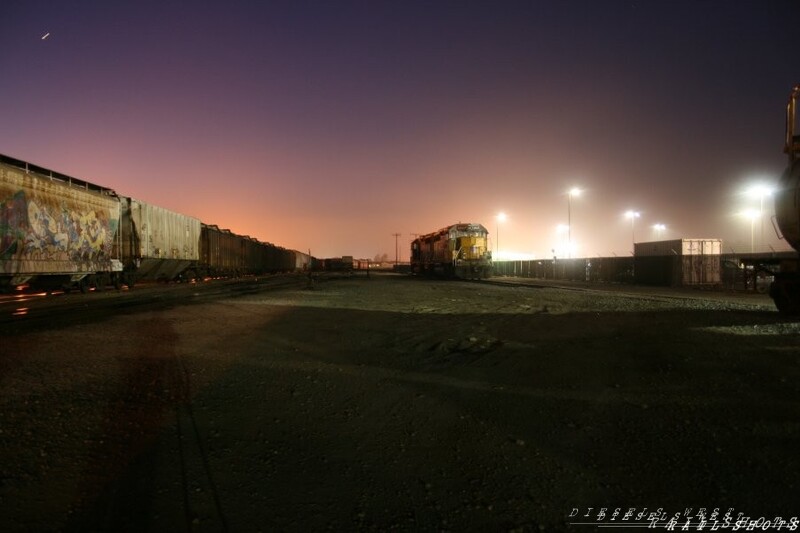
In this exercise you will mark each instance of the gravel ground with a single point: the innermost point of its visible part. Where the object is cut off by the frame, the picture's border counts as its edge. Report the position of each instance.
(399, 403)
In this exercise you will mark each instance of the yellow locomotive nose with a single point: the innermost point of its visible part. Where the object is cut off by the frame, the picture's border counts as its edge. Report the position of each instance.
(458, 250)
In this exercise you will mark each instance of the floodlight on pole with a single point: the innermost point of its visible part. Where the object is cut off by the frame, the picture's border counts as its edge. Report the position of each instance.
(633, 215)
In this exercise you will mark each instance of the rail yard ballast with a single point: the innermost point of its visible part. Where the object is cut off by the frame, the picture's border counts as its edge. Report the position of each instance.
(59, 231)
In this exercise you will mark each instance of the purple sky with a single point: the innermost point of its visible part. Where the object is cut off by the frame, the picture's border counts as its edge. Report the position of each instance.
(331, 125)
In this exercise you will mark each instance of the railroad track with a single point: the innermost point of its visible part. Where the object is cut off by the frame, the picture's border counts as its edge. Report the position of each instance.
(26, 312)
(655, 294)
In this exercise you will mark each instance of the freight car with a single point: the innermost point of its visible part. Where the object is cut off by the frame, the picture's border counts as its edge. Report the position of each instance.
(299, 261)
(226, 254)
(337, 264)
(156, 244)
(460, 250)
(56, 230)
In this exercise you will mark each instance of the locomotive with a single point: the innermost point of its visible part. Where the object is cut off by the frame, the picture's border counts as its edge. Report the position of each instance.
(56, 230)
(460, 251)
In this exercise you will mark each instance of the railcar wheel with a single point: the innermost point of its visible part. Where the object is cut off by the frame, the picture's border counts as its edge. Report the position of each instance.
(83, 284)
(116, 280)
(785, 305)
(100, 282)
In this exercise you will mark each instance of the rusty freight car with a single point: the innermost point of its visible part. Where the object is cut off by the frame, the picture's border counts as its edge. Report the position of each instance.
(225, 254)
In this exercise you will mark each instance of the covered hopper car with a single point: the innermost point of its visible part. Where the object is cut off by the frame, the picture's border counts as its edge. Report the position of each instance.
(56, 230)
(460, 250)
(56, 227)
(156, 244)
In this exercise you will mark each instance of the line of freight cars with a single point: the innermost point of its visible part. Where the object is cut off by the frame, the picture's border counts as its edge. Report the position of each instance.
(58, 231)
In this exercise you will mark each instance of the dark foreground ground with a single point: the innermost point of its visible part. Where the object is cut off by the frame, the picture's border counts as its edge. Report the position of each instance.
(397, 403)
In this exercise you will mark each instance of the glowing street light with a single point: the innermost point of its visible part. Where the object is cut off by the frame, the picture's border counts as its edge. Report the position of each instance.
(501, 217)
(659, 229)
(633, 215)
(572, 192)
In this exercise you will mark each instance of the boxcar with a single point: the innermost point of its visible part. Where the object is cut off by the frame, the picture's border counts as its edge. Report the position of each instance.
(302, 262)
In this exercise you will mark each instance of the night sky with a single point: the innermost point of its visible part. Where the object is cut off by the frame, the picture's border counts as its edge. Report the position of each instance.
(328, 126)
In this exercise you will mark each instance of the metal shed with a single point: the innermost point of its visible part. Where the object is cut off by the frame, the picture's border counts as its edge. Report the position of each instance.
(678, 262)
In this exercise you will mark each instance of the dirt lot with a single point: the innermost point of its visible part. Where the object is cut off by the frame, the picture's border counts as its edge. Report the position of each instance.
(401, 403)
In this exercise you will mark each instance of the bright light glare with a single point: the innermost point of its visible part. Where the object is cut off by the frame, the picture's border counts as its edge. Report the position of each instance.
(562, 228)
(659, 227)
(575, 191)
(513, 256)
(565, 249)
(759, 190)
(750, 214)
(501, 217)
(632, 214)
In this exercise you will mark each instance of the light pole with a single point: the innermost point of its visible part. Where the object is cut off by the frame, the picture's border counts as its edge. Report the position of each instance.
(633, 215)
(572, 192)
(561, 229)
(760, 191)
(501, 217)
(752, 214)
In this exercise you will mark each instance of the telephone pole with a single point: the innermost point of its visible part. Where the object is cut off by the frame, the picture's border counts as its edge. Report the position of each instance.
(396, 249)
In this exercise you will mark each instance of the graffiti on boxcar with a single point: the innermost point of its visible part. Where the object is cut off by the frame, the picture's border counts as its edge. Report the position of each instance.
(13, 224)
(32, 229)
